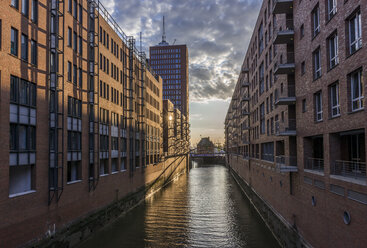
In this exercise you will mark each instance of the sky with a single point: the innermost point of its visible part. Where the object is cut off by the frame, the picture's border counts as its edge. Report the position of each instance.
(216, 32)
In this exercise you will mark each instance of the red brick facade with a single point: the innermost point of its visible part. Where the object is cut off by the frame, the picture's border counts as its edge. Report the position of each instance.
(307, 163)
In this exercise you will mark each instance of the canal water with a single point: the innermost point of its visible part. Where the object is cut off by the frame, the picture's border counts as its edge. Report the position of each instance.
(204, 208)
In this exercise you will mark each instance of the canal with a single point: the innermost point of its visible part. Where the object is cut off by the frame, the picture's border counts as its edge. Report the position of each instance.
(204, 208)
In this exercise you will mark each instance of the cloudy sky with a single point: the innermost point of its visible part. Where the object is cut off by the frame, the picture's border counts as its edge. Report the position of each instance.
(216, 32)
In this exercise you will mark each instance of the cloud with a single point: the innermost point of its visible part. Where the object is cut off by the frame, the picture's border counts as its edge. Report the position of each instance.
(215, 31)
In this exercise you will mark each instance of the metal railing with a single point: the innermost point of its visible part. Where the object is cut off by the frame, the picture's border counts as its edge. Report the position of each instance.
(286, 160)
(349, 169)
(267, 157)
(284, 127)
(316, 164)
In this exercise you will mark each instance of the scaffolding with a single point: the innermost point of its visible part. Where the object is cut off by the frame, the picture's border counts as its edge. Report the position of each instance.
(130, 109)
(56, 100)
(93, 92)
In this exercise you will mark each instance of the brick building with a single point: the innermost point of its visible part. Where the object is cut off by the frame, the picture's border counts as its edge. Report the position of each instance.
(295, 127)
(171, 63)
(81, 114)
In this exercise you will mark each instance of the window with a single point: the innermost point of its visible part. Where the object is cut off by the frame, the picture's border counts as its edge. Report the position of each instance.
(261, 38)
(75, 45)
(303, 68)
(355, 33)
(356, 88)
(318, 106)
(75, 72)
(302, 30)
(317, 63)
(22, 142)
(304, 106)
(33, 52)
(80, 13)
(25, 7)
(334, 100)
(261, 78)
(24, 47)
(14, 42)
(333, 51)
(70, 6)
(34, 16)
(262, 118)
(80, 77)
(75, 12)
(316, 21)
(331, 7)
(69, 71)
(70, 34)
(80, 45)
(15, 3)
(74, 171)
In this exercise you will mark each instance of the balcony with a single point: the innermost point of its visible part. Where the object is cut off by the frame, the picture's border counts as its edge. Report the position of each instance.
(315, 164)
(286, 128)
(282, 6)
(245, 70)
(245, 127)
(287, 97)
(287, 68)
(284, 37)
(286, 164)
(349, 169)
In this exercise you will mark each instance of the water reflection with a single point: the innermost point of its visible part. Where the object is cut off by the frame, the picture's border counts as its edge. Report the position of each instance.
(202, 209)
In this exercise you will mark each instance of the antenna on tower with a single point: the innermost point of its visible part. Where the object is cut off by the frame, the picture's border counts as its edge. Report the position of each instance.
(164, 32)
(164, 42)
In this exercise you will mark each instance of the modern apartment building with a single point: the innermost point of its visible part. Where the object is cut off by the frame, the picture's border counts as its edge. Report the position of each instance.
(81, 117)
(171, 63)
(295, 128)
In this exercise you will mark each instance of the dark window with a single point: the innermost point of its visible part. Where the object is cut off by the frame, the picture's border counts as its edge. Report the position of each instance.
(24, 47)
(315, 21)
(34, 15)
(70, 6)
(317, 63)
(22, 92)
(14, 42)
(75, 42)
(80, 13)
(304, 107)
(75, 13)
(303, 67)
(356, 89)
(25, 7)
(331, 8)
(15, 3)
(75, 72)
(80, 45)
(355, 32)
(70, 34)
(80, 77)
(34, 52)
(69, 71)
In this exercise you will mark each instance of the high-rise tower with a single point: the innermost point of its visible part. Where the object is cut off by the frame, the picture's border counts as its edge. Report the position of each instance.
(171, 63)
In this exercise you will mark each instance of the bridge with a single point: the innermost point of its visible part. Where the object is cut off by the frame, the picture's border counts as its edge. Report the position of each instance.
(215, 157)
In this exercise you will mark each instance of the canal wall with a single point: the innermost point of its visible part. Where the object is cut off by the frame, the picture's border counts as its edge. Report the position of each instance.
(286, 233)
(78, 221)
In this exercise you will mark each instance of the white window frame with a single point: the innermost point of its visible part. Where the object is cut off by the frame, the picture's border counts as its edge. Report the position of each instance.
(318, 106)
(332, 8)
(334, 108)
(317, 61)
(356, 44)
(357, 99)
(316, 21)
(333, 61)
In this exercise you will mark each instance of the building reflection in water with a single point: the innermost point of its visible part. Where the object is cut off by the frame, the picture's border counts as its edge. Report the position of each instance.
(202, 209)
